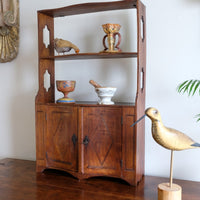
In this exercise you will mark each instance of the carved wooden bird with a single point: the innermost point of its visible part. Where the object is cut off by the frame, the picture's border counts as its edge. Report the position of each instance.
(168, 137)
(62, 46)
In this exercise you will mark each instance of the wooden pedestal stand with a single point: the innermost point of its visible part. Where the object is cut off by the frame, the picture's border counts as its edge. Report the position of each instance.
(169, 191)
(165, 192)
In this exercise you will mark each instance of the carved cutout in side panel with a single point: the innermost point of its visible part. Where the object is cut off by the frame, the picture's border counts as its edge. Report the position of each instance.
(142, 28)
(47, 80)
(46, 36)
(142, 79)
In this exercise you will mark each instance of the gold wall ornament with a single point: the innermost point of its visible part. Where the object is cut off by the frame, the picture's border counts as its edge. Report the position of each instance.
(9, 30)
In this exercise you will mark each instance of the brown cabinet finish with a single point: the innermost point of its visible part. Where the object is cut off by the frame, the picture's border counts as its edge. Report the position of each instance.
(61, 138)
(86, 139)
(101, 136)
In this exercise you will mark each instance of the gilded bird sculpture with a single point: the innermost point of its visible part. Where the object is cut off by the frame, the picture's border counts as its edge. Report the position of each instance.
(173, 140)
(169, 138)
(62, 46)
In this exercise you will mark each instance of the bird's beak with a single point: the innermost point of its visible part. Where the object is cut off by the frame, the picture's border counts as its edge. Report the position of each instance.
(138, 120)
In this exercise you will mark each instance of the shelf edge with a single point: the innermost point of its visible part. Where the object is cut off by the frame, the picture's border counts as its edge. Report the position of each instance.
(89, 8)
(82, 56)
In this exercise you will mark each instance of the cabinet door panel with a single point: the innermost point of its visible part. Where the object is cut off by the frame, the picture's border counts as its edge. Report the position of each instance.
(61, 138)
(102, 127)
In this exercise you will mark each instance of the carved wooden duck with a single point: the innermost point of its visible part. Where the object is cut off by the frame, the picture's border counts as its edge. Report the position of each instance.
(62, 46)
(167, 137)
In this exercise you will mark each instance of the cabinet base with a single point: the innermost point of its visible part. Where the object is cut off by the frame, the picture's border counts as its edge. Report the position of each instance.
(80, 176)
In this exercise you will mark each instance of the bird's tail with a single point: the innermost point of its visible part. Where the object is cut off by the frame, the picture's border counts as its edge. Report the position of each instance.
(196, 145)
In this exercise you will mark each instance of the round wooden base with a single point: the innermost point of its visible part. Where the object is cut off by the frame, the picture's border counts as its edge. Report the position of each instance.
(165, 192)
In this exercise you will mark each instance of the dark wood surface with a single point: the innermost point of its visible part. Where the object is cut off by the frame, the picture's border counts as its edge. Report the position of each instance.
(19, 181)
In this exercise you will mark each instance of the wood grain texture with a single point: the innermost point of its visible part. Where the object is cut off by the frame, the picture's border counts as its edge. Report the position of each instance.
(111, 147)
(61, 152)
(165, 192)
(82, 56)
(19, 181)
(44, 96)
(102, 155)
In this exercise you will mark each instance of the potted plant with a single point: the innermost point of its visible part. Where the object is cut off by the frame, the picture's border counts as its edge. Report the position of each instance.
(190, 87)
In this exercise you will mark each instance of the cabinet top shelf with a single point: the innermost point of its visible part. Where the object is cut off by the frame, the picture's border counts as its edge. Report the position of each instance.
(89, 8)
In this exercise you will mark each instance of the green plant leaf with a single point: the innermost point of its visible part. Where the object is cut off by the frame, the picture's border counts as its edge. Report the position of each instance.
(191, 87)
(187, 86)
(195, 89)
(182, 86)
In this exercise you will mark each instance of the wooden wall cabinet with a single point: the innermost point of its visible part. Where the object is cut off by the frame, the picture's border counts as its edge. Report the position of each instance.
(87, 139)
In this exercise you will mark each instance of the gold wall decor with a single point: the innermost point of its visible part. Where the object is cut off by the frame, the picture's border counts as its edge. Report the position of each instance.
(9, 30)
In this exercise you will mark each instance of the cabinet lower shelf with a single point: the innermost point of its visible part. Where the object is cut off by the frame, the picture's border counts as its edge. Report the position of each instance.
(89, 140)
(83, 56)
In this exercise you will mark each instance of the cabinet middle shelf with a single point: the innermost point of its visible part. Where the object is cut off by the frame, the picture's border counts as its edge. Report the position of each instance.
(81, 56)
(90, 104)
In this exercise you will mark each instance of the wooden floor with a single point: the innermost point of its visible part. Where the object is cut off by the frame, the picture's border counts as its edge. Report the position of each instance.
(19, 181)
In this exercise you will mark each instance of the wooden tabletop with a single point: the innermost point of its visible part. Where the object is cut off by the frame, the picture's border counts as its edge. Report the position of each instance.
(19, 181)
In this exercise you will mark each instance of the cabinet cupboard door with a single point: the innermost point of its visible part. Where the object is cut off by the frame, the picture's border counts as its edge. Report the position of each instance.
(61, 138)
(101, 138)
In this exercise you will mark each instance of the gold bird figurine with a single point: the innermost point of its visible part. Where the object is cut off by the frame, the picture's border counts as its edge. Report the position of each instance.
(62, 46)
(167, 137)
(173, 140)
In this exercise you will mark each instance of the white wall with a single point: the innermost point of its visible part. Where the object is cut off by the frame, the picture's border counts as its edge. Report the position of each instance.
(173, 49)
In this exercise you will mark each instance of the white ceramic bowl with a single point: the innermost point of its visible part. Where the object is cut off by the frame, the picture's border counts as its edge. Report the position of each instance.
(105, 94)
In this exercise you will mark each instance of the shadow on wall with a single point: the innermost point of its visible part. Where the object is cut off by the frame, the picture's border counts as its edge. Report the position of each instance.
(22, 105)
(192, 1)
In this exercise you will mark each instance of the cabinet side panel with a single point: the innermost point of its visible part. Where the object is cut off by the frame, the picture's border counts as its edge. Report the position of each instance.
(141, 89)
(40, 132)
(48, 22)
(44, 65)
(43, 95)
